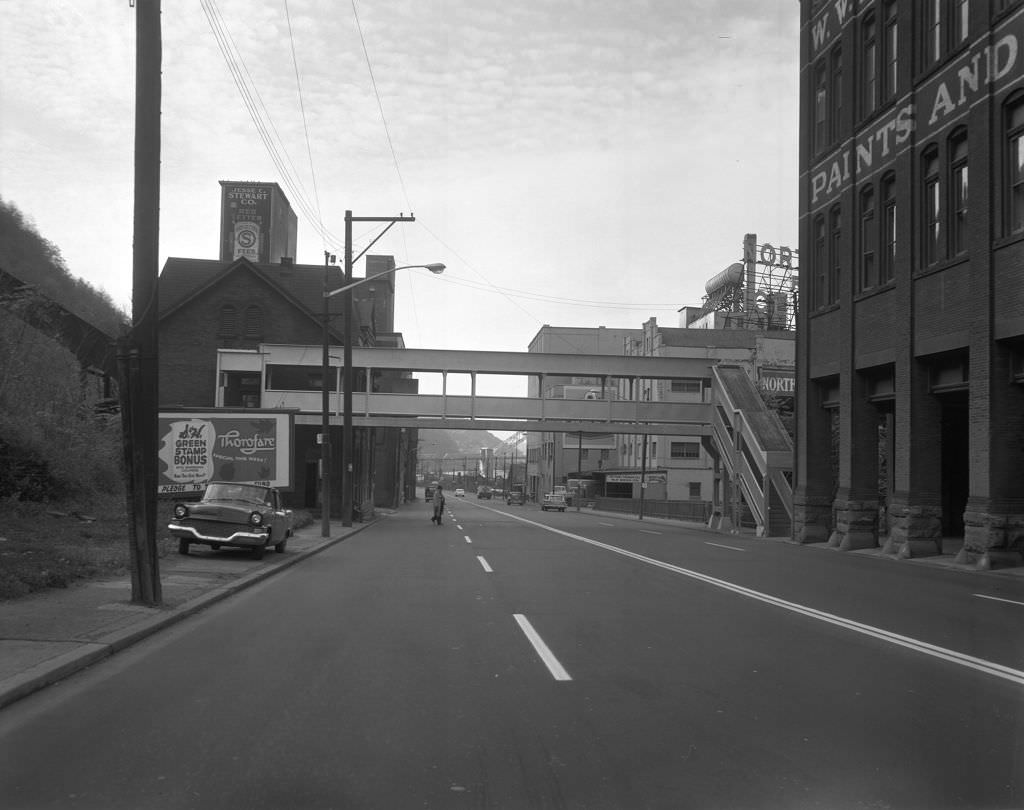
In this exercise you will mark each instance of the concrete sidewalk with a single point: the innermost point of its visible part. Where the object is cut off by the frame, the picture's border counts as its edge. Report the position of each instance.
(46, 636)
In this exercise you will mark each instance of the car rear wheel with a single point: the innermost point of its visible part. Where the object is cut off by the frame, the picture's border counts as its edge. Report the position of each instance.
(280, 547)
(183, 547)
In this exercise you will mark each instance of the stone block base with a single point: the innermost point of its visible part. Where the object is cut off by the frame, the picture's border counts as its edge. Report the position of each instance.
(812, 519)
(856, 525)
(914, 530)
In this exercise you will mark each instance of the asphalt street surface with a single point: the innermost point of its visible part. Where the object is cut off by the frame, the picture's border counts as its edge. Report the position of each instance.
(518, 659)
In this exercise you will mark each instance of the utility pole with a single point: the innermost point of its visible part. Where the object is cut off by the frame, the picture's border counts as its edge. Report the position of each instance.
(579, 473)
(137, 353)
(643, 477)
(325, 436)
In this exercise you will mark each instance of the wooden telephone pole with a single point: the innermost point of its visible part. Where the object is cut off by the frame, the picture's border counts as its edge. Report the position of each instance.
(137, 353)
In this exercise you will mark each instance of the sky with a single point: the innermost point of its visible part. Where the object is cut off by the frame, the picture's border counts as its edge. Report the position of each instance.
(572, 163)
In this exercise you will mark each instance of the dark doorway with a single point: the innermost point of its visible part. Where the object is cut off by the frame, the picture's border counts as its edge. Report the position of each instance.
(956, 449)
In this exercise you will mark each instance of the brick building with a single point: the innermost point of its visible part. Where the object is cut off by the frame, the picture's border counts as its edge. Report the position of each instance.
(910, 343)
(239, 335)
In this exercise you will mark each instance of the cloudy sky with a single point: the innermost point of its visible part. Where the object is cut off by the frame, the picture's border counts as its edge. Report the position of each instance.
(573, 163)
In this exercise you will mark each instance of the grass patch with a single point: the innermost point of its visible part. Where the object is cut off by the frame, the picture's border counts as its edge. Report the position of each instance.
(51, 546)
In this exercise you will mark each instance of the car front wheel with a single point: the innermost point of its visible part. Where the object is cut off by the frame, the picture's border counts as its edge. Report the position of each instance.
(280, 547)
(183, 546)
(258, 551)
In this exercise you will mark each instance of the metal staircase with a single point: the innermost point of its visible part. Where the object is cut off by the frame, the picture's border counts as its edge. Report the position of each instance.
(754, 451)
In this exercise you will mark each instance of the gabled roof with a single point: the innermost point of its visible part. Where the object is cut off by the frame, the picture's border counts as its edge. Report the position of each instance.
(183, 280)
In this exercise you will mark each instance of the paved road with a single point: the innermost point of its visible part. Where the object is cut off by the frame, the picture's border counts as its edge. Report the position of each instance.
(514, 659)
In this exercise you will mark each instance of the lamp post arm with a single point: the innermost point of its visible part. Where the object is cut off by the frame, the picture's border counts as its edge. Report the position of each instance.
(433, 268)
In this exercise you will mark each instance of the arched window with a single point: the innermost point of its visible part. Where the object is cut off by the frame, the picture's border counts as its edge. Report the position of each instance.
(835, 253)
(253, 322)
(228, 325)
(931, 200)
(887, 269)
(1014, 174)
(958, 192)
(820, 270)
(890, 50)
(869, 65)
(868, 272)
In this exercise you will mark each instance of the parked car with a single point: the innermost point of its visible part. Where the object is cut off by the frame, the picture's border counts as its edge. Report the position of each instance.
(484, 492)
(553, 500)
(516, 495)
(460, 492)
(248, 516)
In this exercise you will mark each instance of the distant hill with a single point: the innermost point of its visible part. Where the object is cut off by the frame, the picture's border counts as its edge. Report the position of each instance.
(455, 443)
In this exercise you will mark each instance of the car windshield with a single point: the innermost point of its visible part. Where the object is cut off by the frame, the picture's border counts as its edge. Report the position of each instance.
(250, 493)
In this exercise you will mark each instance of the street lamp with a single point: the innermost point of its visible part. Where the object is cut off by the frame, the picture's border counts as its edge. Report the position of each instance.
(346, 518)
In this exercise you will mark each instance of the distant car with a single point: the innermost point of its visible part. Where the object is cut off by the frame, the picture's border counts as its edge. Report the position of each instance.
(553, 500)
(248, 516)
(460, 493)
(484, 492)
(517, 495)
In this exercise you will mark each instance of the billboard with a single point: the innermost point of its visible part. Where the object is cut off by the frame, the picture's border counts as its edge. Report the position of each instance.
(779, 381)
(201, 446)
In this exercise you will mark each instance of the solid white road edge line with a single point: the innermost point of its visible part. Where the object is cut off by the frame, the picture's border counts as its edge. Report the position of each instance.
(719, 545)
(554, 667)
(484, 565)
(998, 599)
(1015, 676)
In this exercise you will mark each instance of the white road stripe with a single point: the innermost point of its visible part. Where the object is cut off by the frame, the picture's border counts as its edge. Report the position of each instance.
(457, 526)
(556, 669)
(1015, 676)
(485, 566)
(719, 545)
(467, 538)
(648, 531)
(605, 524)
(998, 599)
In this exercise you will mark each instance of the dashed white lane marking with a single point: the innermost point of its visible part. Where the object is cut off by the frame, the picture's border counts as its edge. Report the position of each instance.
(457, 526)
(649, 531)
(605, 524)
(554, 667)
(998, 599)
(484, 565)
(467, 538)
(1015, 676)
(719, 545)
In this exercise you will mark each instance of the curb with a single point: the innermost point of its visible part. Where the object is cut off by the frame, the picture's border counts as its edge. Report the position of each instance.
(60, 667)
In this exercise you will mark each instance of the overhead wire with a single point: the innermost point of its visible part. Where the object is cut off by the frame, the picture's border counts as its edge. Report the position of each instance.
(246, 87)
(305, 124)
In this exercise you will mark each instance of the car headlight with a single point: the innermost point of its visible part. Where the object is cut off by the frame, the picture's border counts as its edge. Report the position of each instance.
(180, 511)
(256, 519)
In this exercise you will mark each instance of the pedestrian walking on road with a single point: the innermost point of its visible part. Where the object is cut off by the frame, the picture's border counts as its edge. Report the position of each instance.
(438, 504)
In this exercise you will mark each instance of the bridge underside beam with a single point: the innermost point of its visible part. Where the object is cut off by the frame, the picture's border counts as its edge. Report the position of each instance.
(546, 426)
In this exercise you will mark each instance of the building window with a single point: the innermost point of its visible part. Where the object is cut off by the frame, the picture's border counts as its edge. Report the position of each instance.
(585, 454)
(820, 264)
(946, 28)
(958, 190)
(695, 490)
(836, 111)
(685, 386)
(961, 21)
(835, 253)
(821, 107)
(228, 322)
(1015, 165)
(887, 271)
(869, 64)
(684, 450)
(890, 51)
(932, 214)
(868, 240)
(253, 322)
(932, 21)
